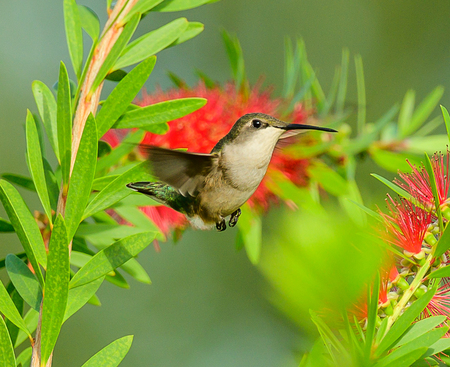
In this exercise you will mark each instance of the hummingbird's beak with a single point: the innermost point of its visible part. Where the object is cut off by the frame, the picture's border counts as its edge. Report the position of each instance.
(306, 127)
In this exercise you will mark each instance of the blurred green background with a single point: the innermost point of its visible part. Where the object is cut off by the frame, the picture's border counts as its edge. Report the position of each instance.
(206, 306)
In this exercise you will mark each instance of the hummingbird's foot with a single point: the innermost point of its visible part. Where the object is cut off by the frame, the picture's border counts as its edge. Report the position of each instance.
(221, 226)
(234, 218)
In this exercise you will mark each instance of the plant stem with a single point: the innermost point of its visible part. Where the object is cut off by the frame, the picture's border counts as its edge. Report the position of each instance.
(88, 103)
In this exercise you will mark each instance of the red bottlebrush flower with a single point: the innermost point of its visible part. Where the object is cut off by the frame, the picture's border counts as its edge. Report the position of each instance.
(417, 183)
(202, 129)
(407, 225)
(439, 304)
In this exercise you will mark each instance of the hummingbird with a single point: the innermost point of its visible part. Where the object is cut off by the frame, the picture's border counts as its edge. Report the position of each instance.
(210, 188)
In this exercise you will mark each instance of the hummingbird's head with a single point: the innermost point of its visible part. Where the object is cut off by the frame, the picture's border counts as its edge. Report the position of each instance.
(262, 130)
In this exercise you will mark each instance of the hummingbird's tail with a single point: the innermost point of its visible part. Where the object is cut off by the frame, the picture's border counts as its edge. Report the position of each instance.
(162, 193)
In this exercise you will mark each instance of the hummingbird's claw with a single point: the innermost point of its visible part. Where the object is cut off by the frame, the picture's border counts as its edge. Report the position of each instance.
(234, 218)
(221, 226)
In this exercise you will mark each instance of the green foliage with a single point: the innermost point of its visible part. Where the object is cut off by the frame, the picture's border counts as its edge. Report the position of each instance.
(112, 354)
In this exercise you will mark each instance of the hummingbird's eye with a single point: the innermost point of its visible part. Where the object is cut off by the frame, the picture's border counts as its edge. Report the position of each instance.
(256, 124)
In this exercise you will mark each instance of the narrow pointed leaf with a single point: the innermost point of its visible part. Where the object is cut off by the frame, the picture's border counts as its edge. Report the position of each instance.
(372, 308)
(404, 360)
(393, 161)
(128, 144)
(177, 5)
(394, 187)
(46, 104)
(151, 43)
(52, 185)
(31, 319)
(79, 296)
(342, 89)
(36, 164)
(74, 35)
(24, 358)
(142, 6)
(443, 244)
(111, 257)
(446, 120)
(64, 118)
(193, 29)
(56, 288)
(330, 180)
(236, 58)
(5, 226)
(437, 204)
(424, 110)
(116, 50)
(250, 234)
(24, 281)
(25, 226)
(117, 189)
(419, 328)
(406, 112)
(361, 94)
(112, 354)
(9, 310)
(404, 322)
(22, 181)
(89, 21)
(439, 346)
(159, 113)
(82, 177)
(424, 340)
(7, 357)
(123, 94)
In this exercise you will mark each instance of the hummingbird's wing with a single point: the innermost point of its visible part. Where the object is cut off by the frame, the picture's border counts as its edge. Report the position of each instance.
(182, 170)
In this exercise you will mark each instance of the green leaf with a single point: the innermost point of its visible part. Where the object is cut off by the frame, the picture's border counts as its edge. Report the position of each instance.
(133, 215)
(404, 321)
(404, 360)
(151, 43)
(330, 180)
(406, 112)
(177, 5)
(439, 346)
(250, 233)
(159, 113)
(117, 190)
(393, 161)
(25, 226)
(394, 187)
(52, 185)
(342, 89)
(24, 358)
(31, 320)
(112, 354)
(118, 280)
(358, 216)
(19, 180)
(5, 226)
(7, 357)
(36, 164)
(372, 213)
(418, 329)
(101, 182)
(193, 29)
(124, 93)
(236, 58)
(9, 310)
(89, 21)
(116, 75)
(440, 273)
(82, 177)
(437, 204)
(128, 144)
(46, 104)
(424, 340)
(56, 288)
(372, 308)
(115, 52)
(446, 120)
(111, 257)
(79, 296)
(429, 144)
(142, 6)
(74, 35)
(423, 110)
(133, 268)
(64, 118)
(443, 245)
(19, 303)
(361, 94)
(24, 281)
(102, 235)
